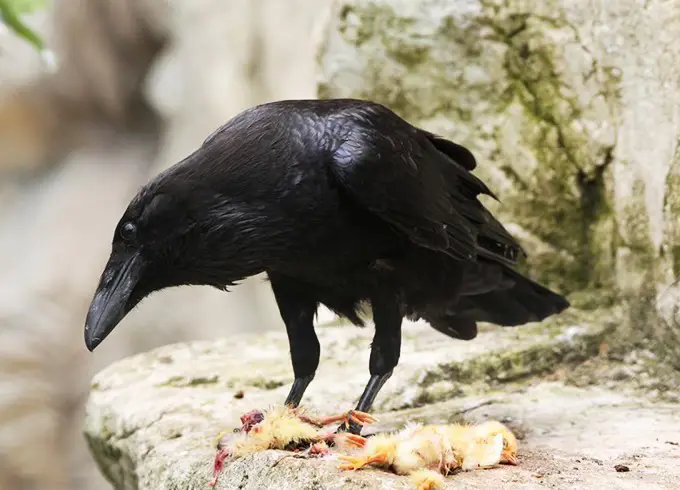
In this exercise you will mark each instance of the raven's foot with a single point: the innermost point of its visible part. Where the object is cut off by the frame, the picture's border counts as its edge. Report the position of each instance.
(354, 421)
(351, 428)
(355, 463)
(355, 425)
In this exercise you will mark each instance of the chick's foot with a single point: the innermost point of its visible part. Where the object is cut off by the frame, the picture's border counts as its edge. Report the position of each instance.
(351, 416)
(426, 480)
(357, 462)
(345, 439)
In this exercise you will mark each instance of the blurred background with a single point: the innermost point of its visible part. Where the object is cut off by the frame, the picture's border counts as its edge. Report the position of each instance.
(134, 86)
(571, 107)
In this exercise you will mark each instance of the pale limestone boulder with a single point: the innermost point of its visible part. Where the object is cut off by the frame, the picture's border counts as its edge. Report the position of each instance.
(152, 419)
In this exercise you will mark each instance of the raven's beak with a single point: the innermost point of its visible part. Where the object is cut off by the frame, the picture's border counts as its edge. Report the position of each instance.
(111, 302)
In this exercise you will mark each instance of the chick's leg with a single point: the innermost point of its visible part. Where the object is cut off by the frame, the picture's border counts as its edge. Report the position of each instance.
(352, 416)
(426, 480)
(385, 351)
(355, 463)
(297, 307)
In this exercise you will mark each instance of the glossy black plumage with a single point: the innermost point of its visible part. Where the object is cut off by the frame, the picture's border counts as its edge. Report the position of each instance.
(339, 202)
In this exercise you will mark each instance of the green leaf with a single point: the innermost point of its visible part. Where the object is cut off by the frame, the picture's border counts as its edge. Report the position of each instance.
(25, 6)
(10, 10)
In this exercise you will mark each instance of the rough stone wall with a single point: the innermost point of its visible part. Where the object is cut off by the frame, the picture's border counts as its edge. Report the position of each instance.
(572, 108)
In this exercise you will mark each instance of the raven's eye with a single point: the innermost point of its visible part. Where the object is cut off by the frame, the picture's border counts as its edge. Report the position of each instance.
(128, 231)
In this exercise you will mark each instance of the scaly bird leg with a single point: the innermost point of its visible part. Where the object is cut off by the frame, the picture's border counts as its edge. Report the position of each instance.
(298, 390)
(355, 463)
(365, 402)
(297, 310)
(385, 351)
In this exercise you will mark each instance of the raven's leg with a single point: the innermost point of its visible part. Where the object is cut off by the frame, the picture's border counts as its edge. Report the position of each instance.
(385, 351)
(297, 309)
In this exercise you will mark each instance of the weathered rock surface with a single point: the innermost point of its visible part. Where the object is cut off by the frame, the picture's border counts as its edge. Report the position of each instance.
(574, 118)
(152, 419)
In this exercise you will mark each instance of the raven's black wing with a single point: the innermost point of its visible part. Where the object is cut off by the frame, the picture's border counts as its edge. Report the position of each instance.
(419, 183)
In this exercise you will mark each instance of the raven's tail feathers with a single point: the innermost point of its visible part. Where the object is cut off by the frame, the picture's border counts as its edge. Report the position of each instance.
(524, 301)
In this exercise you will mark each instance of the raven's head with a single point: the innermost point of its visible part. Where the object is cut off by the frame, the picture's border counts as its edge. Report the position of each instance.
(174, 232)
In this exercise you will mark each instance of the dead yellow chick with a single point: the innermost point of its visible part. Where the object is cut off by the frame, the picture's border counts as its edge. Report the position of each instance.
(424, 453)
(493, 430)
(427, 453)
(285, 428)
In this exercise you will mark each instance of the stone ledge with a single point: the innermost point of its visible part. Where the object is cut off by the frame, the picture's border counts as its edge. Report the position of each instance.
(152, 418)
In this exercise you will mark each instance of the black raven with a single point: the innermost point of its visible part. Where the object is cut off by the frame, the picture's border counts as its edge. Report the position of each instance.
(341, 202)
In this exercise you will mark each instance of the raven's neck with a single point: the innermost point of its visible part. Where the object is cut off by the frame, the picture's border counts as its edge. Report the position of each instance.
(240, 247)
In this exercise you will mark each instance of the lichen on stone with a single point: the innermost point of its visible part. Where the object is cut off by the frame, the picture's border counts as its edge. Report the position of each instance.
(181, 381)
